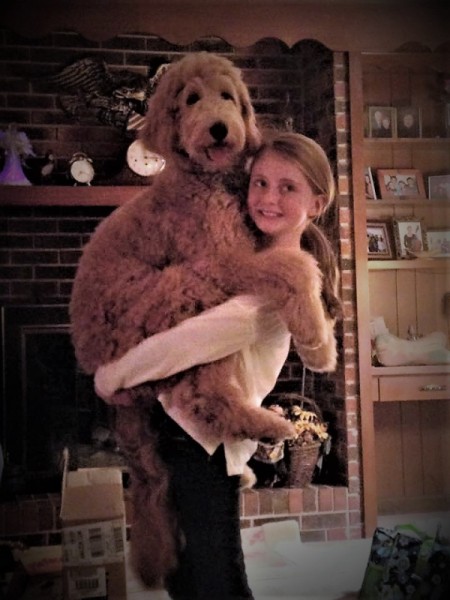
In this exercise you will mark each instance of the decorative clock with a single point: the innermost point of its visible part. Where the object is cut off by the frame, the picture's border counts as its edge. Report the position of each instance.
(143, 161)
(81, 169)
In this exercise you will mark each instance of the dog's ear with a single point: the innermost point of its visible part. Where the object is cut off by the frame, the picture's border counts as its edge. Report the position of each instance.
(158, 126)
(248, 114)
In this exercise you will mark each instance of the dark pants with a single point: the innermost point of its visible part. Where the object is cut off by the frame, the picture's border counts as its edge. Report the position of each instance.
(207, 500)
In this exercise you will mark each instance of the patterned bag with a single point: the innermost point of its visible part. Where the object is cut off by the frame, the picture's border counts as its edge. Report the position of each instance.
(406, 564)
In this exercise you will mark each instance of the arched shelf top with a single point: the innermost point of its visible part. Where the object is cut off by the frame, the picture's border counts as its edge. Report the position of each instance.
(345, 25)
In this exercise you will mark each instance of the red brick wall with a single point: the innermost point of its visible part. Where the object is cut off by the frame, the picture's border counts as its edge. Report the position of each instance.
(39, 251)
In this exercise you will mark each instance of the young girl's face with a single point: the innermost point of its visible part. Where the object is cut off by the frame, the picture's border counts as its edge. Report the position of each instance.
(280, 199)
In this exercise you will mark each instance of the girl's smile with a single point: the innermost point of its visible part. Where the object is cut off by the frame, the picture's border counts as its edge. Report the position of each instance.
(281, 201)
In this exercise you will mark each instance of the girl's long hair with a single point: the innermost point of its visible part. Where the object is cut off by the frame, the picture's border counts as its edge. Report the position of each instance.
(315, 241)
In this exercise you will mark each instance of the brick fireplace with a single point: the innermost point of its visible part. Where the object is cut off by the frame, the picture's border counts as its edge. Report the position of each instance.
(47, 402)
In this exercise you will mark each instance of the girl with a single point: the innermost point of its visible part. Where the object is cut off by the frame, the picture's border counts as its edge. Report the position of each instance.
(291, 184)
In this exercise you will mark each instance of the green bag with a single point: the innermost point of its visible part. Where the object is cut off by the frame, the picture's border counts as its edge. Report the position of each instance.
(407, 564)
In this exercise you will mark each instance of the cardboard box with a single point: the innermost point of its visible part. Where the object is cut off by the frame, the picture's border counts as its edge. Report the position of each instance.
(40, 560)
(93, 534)
(41, 566)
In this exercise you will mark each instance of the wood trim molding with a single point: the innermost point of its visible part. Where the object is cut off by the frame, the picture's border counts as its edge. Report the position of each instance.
(363, 310)
(341, 26)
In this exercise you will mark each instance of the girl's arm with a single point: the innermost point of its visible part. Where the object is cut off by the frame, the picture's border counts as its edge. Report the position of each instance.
(209, 336)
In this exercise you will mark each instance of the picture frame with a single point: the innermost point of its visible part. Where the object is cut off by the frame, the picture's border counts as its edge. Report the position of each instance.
(379, 240)
(439, 187)
(438, 240)
(447, 119)
(409, 122)
(369, 185)
(410, 237)
(401, 183)
(382, 121)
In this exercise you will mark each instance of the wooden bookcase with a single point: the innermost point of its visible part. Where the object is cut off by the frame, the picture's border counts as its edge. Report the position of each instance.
(405, 411)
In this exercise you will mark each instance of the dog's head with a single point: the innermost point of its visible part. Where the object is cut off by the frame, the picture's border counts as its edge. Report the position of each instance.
(201, 116)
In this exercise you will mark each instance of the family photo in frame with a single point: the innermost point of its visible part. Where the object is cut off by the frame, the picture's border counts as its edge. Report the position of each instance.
(439, 187)
(439, 241)
(410, 237)
(369, 185)
(379, 245)
(401, 183)
(409, 122)
(382, 121)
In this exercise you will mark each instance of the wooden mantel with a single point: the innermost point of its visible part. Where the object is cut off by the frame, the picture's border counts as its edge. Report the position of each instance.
(68, 195)
(347, 25)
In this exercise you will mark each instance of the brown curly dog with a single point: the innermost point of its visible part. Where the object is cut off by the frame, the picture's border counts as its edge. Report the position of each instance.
(179, 248)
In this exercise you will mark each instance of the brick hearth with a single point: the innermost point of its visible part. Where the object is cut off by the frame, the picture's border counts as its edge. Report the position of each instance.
(324, 513)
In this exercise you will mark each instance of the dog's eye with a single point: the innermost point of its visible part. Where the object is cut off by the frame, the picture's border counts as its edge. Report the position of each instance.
(226, 96)
(192, 98)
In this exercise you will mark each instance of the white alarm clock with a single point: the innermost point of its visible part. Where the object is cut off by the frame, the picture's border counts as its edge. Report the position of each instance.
(143, 161)
(81, 169)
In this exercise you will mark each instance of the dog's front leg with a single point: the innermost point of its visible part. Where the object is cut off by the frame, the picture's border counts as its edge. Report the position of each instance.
(291, 281)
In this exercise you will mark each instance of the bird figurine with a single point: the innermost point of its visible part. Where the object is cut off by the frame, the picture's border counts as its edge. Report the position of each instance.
(40, 169)
(47, 167)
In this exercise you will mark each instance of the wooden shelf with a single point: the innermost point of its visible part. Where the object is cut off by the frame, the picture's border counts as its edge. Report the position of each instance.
(67, 195)
(399, 140)
(409, 264)
(404, 409)
(410, 370)
(398, 203)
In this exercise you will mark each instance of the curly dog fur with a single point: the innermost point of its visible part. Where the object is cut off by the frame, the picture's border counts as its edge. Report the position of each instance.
(179, 248)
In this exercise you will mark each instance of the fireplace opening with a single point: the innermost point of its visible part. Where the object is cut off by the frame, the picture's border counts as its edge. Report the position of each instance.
(48, 403)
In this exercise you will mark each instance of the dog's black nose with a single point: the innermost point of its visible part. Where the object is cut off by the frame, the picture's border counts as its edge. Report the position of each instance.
(219, 131)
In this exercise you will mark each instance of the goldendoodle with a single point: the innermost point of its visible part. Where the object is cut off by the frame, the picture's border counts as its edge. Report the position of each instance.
(179, 248)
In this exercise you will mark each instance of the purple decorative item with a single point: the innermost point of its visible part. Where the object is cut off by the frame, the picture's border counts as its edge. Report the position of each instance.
(16, 145)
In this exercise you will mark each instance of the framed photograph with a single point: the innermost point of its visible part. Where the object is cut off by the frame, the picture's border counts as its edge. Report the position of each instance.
(401, 183)
(410, 237)
(439, 187)
(382, 121)
(379, 246)
(369, 185)
(409, 122)
(439, 241)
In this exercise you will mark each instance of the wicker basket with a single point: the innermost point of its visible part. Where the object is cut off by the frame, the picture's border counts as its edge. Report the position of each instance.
(303, 460)
(302, 457)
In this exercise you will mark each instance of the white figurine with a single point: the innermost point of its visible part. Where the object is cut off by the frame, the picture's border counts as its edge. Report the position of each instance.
(16, 145)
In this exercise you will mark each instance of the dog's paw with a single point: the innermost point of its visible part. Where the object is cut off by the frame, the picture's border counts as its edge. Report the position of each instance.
(248, 479)
(306, 322)
(320, 360)
(266, 424)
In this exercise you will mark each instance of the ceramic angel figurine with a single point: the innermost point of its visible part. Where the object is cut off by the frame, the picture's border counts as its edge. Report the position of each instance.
(17, 146)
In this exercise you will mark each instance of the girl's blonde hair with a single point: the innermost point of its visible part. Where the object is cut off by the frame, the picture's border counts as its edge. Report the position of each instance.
(312, 161)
